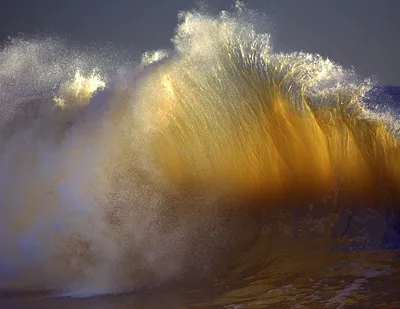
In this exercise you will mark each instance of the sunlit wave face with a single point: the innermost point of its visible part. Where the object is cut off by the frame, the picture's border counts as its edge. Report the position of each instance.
(254, 123)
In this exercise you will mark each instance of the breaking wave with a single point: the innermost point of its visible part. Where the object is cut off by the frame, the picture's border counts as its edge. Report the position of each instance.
(117, 176)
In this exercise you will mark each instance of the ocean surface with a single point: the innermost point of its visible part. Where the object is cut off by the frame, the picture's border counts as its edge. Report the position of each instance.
(218, 174)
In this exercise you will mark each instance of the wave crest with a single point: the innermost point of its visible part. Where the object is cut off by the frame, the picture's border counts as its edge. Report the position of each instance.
(231, 113)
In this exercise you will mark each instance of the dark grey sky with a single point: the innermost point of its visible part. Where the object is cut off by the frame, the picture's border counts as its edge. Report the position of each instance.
(359, 33)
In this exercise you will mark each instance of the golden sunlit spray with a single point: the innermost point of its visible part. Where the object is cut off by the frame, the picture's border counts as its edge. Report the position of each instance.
(231, 114)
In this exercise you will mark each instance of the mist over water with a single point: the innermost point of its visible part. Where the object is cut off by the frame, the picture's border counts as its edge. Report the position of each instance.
(118, 174)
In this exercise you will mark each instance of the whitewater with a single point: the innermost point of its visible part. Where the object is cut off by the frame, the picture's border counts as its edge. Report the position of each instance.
(120, 174)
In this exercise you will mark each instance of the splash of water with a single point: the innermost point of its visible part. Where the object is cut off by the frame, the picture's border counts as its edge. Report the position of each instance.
(103, 191)
(231, 113)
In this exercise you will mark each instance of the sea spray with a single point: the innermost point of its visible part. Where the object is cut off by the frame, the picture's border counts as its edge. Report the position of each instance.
(165, 172)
